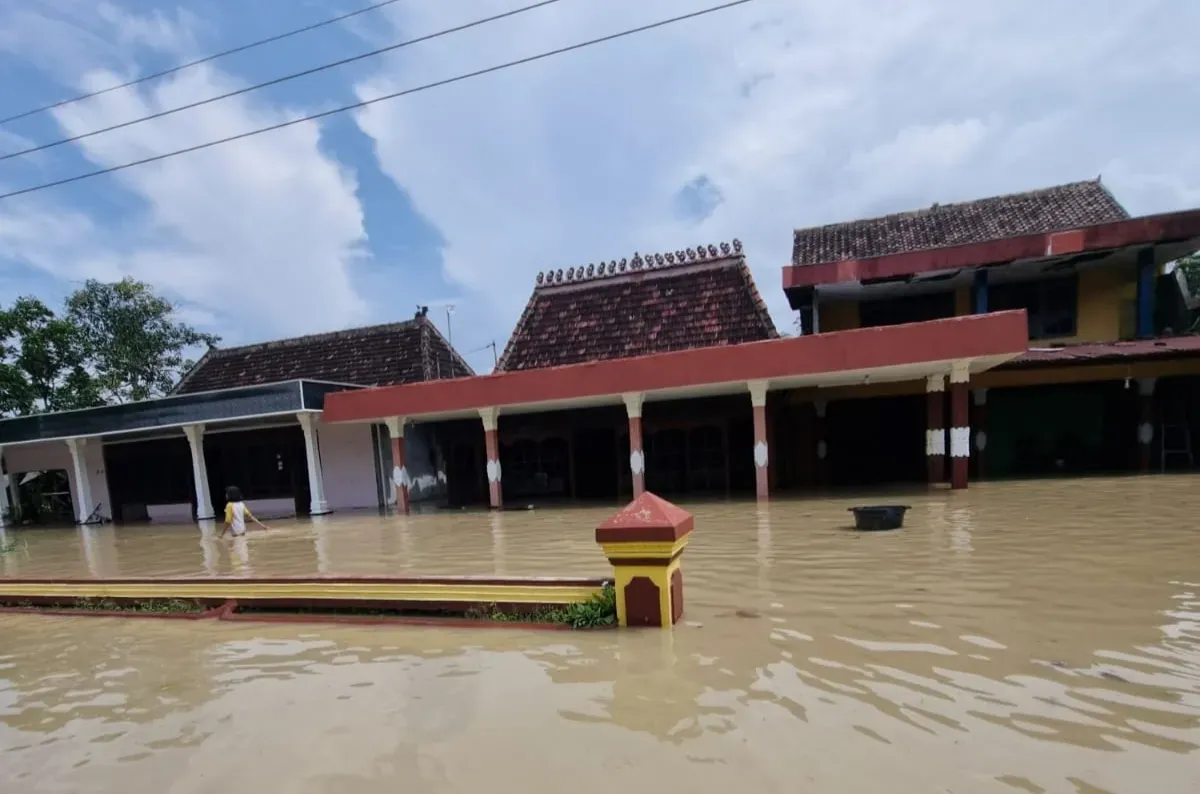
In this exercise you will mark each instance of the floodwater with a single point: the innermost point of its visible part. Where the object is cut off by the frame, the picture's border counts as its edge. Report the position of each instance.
(1027, 637)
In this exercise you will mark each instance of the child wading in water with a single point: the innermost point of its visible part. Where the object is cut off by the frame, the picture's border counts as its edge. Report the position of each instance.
(236, 513)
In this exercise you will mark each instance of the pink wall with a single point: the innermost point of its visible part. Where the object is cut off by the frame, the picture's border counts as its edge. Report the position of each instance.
(348, 466)
(55, 455)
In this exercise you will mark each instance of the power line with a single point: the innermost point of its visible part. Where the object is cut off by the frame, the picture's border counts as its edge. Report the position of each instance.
(355, 106)
(198, 61)
(279, 80)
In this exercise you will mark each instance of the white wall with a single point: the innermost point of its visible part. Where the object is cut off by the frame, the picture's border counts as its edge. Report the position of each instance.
(348, 466)
(21, 458)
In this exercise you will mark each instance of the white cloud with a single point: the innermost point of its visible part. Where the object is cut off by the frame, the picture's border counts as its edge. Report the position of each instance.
(261, 234)
(797, 112)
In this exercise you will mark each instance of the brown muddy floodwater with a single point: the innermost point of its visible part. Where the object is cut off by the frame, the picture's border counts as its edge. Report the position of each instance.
(1039, 636)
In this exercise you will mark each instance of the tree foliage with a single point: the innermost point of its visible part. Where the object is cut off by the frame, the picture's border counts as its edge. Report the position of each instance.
(1191, 268)
(112, 343)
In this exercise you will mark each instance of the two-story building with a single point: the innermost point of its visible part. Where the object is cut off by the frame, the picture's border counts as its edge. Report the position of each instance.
(1111, 380)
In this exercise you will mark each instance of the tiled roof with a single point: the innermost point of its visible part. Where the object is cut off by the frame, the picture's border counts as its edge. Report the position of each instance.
(686, 299)
(379, 355)
(1051, 209)
(1100, 352)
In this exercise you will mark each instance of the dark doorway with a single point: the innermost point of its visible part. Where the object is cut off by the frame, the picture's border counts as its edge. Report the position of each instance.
(264, 464)
(877, 441)
(144, 473)
(594, 452)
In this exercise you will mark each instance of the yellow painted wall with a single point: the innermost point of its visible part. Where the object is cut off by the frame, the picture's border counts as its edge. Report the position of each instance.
(838, 316)
(1106, 304)
(962, 301)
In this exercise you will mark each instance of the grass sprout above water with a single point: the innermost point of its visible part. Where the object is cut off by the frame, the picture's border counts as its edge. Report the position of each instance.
(598, 611)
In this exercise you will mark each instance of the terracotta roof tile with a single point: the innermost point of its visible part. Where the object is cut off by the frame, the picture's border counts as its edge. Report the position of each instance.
(687, 299)
(1051, 209)
(379, 355)
(1097, 352)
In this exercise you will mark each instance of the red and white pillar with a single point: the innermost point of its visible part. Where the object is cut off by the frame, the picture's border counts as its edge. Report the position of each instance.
(491, 418)
(637, 456)
(960, 425)
(1145, 431)
(400, 479)
(979, 423)
(762, 471)
(935, 428)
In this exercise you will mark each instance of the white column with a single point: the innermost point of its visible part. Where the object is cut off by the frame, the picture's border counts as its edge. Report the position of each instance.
(4, 503)
(312, 452)
(83, 484)
(195, 437)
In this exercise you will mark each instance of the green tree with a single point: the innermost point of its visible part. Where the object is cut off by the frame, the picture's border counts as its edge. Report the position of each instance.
(1191, 269)
(43, 362)
(136, 346)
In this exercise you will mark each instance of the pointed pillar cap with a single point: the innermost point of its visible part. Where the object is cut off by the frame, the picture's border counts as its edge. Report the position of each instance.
(647, 518)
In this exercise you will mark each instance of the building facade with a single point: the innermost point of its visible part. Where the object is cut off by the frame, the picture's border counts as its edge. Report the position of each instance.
(1111, 379)
(248, 416)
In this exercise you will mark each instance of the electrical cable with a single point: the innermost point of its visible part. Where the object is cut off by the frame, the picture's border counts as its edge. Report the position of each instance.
(198, 61)
(285, 78)
(367, 102)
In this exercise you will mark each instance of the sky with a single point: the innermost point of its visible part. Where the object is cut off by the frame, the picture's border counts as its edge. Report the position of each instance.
(746, 123)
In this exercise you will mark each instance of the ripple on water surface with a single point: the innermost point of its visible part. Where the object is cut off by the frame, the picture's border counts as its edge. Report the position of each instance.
(1039, 636)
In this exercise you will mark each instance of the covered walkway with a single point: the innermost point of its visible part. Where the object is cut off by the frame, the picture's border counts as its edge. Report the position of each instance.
(943, 355)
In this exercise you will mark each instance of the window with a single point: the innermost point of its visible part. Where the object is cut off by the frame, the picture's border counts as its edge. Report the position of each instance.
(907, 309)
(1052, 304)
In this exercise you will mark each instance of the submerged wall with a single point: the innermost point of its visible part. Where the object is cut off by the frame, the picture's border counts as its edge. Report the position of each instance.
(51, 455)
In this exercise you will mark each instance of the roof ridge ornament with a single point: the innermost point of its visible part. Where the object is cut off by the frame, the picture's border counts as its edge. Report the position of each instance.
(639, 262)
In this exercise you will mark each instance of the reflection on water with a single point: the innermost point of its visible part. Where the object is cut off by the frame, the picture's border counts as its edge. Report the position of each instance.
(1019, 637)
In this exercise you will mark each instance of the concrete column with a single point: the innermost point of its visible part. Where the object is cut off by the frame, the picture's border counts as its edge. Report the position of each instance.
(1145, 430)
(979, 292)
(400, 479)
(195, 437)
(491, 420)
(960, 425)
(980, 424)
(1147, 275)
(821, 431)
(935, 428)
(637, 457)
(312, 452)
(762, 472)
(83, 484)
(5, 504)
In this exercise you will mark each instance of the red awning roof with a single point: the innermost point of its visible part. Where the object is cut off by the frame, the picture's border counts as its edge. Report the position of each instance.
(1147, 230)
(987, 339)
(1101, 352)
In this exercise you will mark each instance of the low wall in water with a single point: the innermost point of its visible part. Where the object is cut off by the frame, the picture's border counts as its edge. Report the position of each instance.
(464, 600)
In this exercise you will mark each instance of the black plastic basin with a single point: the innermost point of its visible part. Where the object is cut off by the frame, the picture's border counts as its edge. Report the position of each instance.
(874, 518)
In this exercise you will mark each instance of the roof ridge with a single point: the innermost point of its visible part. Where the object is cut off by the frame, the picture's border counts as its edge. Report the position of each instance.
(760, 306)
(938, 206)
(654, 262)
(431, 326)
(307, 338)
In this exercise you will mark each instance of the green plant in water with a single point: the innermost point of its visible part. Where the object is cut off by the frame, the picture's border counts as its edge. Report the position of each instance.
(160, 606)
(11, 547)
(599, 610)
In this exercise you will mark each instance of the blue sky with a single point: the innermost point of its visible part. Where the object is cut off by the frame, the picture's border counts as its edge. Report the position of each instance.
(748, 123)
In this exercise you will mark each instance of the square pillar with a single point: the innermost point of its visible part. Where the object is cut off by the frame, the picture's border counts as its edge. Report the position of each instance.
(400, 479)
(491, 419)
(935, 428)
(1147, 276)
(1145, 430)
(195, 437)
(980, 424)
(762, 473)
(637, 457)
(317, 505)
(83, 484)
(960, 425)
